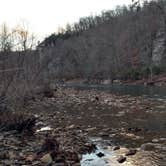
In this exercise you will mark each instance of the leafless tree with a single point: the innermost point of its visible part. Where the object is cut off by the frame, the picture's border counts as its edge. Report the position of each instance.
(19, 64)
(109, 45)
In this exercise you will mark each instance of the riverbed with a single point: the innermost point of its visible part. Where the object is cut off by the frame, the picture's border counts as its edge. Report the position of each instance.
(135, 118)
(116, 123)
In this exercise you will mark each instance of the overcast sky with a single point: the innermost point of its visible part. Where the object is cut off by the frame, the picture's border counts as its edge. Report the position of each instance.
(45, 16)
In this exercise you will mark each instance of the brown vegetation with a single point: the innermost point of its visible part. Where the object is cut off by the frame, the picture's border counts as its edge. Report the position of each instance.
(118, 44)
(20, 122)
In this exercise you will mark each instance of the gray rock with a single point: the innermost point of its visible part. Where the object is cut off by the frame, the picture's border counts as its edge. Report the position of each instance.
(131, 152)
(149, 146)
(121, 159)
(47, 159)
(116, 148)
(155, 140)
(100, 154)
(162, 139)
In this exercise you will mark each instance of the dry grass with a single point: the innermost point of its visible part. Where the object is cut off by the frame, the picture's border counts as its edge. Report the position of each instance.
(20, 122)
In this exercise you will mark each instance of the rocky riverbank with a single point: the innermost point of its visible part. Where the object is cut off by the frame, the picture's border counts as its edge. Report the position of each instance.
(156, 80)
(67, 119)
(159, 80)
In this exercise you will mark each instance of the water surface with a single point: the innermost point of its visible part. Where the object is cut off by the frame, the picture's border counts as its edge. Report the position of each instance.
(134, 90)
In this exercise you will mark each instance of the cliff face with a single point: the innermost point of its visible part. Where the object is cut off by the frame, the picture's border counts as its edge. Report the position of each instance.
(116, 44)
(158, 55)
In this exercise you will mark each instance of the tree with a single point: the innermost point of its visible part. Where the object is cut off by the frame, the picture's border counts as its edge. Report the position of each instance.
(109, 45)
(24, 40)
(158, 7)
(5, 38)
(18, 63)
(158, 4)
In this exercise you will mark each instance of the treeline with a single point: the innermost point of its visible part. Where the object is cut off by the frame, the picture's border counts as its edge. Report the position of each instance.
(118, 43)
(21, 69)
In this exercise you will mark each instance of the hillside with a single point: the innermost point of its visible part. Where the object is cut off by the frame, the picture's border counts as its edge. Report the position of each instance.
(125, 43)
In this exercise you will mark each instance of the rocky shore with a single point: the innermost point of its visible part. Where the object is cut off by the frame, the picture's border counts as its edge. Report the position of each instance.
(159, 80)
(156, 80)
(66, 120)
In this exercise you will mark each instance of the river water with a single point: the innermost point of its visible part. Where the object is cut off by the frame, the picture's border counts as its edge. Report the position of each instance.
(134, 90)
(150, 144)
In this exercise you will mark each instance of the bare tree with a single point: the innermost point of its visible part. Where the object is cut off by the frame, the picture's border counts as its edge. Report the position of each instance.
(24, 39)
(5, 38)
(110, 45)
(18, 63)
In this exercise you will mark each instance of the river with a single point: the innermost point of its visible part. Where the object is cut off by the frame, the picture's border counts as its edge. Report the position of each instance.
(157, 92)
(150, 142)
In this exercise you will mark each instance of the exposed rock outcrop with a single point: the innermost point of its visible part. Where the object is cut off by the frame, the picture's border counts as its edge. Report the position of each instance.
(158, 54)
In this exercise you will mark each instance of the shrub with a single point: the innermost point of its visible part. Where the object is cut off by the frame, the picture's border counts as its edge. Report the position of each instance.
(144, 72)
(20, 122)
(134, 74)
(156, 70)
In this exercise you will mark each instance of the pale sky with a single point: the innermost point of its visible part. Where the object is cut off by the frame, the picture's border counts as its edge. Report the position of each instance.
(45, 16)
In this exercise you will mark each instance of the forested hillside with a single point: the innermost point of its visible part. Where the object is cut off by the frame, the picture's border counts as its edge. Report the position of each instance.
(128, 42)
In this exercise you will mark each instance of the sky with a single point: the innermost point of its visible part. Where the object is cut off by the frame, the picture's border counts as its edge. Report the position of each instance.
(44, 17)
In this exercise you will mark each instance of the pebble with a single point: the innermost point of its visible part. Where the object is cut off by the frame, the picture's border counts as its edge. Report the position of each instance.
(47, 159)
(100, 154)
(116, 148)
(155, 140)
(121, 159)
(131, 152)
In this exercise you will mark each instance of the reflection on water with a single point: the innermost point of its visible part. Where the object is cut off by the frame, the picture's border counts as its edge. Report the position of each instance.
(93, 160)
(141, 158)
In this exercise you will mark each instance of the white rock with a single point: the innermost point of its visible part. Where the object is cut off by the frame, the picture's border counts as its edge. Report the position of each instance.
(47, 159)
